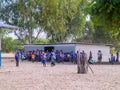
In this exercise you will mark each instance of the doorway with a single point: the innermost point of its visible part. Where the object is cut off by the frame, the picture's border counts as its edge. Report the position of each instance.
(49, 49)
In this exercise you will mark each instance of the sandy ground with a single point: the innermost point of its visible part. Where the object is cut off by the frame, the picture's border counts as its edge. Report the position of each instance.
(33, 76)
(8, 54)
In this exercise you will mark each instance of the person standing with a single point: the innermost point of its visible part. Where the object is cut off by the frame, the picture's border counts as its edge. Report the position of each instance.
(33, 57)
(99, 56)
(44, 59)
(52, 60)
(112, 59)
(90, 56)
(17, 59)
(90, 61)
(117, 56)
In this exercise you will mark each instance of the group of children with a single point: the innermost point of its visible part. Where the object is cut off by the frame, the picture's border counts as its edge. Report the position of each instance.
(44, 58)
(59, 56)
(41, 56)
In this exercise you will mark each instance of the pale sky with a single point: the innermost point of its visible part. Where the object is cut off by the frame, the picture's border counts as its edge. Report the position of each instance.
(42, 35)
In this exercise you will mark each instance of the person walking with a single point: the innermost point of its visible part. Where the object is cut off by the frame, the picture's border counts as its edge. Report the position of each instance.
(52, 60)
(44, 59)
(117, 56)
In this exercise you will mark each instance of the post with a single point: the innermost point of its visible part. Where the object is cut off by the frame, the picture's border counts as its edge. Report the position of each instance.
(4, 26)
(0, 48)
(78, 62)
(82, 65)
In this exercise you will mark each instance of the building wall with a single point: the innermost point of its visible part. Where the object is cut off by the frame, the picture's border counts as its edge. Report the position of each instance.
(63, 47)
(94, 49)
(75, 47)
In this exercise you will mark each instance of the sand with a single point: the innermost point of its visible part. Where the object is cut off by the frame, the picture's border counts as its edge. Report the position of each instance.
(33, 76)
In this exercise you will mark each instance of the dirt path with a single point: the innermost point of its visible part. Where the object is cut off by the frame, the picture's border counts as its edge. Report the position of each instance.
(33, 76)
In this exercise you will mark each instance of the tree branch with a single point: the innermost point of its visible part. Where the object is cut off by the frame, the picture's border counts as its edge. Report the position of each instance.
(38, 34)
(19, 37)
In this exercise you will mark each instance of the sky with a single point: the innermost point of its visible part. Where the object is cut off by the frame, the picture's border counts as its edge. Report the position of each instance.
(42, 35)
(12, 35)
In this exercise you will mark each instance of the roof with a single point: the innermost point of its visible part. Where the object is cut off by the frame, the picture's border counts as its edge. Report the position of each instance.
(73, 43)
(8, 26)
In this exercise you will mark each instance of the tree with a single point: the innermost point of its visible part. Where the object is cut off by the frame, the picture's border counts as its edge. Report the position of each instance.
(9, 45)
(103, 36)
(68, 19)
(41, 41)
(72, 14)
(17, 44)
(21, 13)
(106, 13)
(60, 19)
(87, 33)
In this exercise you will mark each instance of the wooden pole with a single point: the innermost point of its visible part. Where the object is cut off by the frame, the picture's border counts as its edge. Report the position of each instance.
(78, 62)
(82, 63)
(0, 47)
(90, 69)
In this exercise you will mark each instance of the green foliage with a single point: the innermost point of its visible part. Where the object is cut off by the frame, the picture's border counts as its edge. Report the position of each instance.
(20, 13)
(88, 32)
(17, 44)
(68, 20)
(100, 35)
(9, 45)
(41, 41)
(106, 13)
(58, 18)
(112, 50)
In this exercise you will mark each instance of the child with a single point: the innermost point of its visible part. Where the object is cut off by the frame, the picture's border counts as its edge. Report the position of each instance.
(17, 59)
(52, 60)
(44, 60)
(99, 56)
(112, 59)
(33, 57)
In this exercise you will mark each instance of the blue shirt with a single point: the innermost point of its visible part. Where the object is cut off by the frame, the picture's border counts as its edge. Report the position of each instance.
(16, 57)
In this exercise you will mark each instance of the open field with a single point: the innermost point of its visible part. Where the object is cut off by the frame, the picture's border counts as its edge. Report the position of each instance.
(33, 76)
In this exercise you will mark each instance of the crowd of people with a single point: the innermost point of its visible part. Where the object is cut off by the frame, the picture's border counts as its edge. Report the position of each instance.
(53, 56)
(58, 56)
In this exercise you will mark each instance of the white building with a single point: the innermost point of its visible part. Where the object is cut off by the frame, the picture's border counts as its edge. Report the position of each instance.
(68, 47)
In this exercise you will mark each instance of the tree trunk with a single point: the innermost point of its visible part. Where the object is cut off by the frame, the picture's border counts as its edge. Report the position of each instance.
(82, 65)
(78, 62)
(0, 37)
